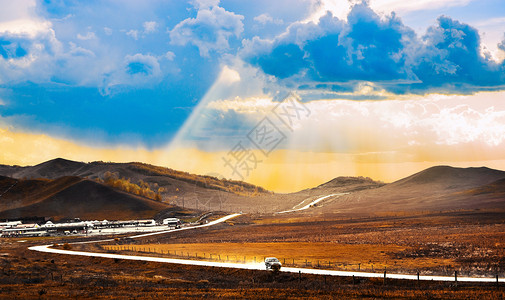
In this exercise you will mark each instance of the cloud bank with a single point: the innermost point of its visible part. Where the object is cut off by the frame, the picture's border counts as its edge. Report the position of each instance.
(338, 55)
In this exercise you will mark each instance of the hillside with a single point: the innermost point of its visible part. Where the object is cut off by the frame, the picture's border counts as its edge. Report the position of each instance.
(450, 178)
(17, 192)
(434, 189)
(350, 184)
(72, 197)
(135, 171)
(176, 187)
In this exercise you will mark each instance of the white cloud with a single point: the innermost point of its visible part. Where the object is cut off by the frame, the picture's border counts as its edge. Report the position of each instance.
(133, 33)
(209, 31)
(88, 36)
(228, 76)
(33, 43)
(107, 30)
(137, 70)
(266, 18)
(79, 51)
(432, 122)
(252, 105)
(170, 55)
(20, 18)
(150, 26)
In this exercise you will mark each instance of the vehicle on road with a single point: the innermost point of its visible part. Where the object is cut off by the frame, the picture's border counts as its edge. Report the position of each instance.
(272, 264)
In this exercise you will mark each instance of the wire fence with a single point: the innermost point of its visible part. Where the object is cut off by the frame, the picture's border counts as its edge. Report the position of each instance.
(285, 261)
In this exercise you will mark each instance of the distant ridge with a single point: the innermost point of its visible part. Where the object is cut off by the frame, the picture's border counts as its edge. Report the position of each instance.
(434, 189)
(60, 167)
(451, 177)
(350, 184)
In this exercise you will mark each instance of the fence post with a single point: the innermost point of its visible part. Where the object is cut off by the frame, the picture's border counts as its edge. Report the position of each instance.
(456, 278)
(353, 280)
(417, 277)
(497, 282)
(384, 282)
(359, 266)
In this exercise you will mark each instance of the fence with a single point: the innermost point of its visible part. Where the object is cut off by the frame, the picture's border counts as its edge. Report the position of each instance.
(288, 262)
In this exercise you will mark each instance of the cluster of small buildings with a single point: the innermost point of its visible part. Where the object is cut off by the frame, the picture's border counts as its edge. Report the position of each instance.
(19, 229)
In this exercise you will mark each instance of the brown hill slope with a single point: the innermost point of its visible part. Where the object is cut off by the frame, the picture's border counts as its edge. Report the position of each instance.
(450, 178)
(134, 171)
(17, 192)
(496, 188)
(350, 184)
(434, 189)
(71, 197)
(179, 188)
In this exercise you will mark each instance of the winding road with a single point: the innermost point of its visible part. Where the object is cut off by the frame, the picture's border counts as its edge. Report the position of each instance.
(247, 266)
(310, 204)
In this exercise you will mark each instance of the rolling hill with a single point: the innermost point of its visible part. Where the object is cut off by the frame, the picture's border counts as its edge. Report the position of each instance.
(434, 189)
(66, 188)
(178, 188)
(72, 197)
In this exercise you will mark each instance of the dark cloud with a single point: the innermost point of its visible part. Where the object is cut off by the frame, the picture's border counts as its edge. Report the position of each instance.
(381, 50)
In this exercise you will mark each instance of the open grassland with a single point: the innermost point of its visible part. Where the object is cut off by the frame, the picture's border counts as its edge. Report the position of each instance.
(27, 274)
(470, 243)
(365, 257)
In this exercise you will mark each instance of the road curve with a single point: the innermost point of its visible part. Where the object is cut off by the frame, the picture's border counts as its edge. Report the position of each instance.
(311, 203)
(250, 266)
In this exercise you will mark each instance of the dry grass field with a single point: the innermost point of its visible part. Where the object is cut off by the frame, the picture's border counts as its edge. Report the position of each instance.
(364, 257)
(468, 242)
(27, 274)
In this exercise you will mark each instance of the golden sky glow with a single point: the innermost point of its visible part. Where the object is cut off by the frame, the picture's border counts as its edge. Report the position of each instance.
(282, 171)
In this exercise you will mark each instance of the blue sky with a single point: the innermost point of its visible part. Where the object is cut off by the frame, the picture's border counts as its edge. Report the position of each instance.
(159, 74)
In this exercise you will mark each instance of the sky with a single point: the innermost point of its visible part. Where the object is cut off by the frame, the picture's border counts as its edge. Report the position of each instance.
(286, 94)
